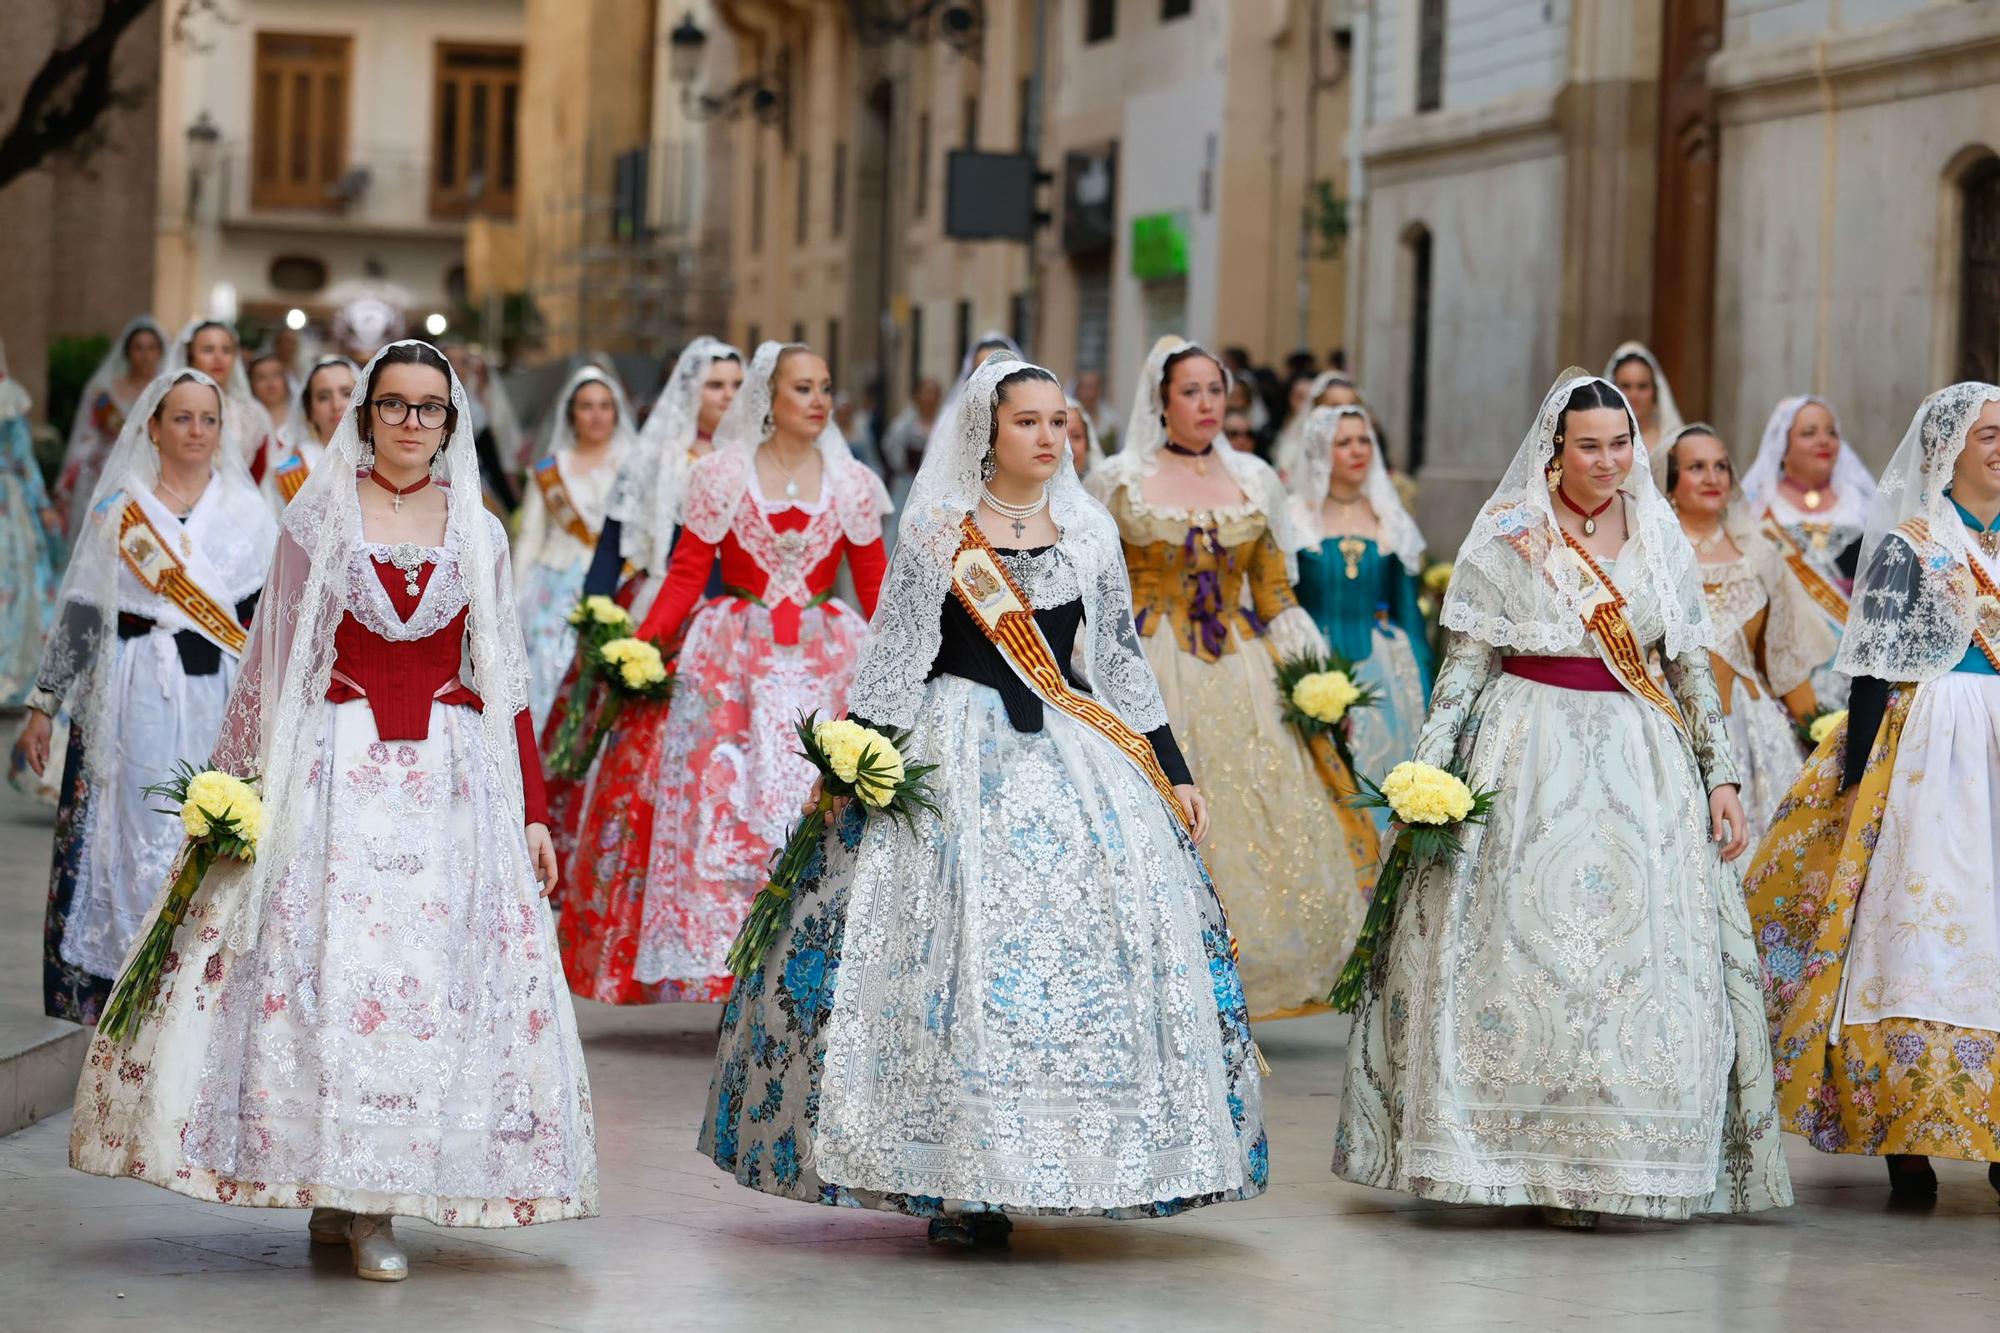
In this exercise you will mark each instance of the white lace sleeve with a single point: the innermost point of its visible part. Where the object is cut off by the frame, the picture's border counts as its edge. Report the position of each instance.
(1120, 674)
(906, 633)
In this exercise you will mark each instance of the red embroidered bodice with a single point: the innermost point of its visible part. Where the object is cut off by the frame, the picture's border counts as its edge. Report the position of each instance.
(400, 680)
(693, 557)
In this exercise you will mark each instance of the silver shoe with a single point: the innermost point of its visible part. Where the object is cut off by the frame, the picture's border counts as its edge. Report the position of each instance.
(377, 1257)
(328, 1226)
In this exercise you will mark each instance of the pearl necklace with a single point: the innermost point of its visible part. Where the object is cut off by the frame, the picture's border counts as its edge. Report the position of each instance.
(1018, 515)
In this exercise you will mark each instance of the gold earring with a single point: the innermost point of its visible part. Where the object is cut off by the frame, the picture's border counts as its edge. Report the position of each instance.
(1555, 475)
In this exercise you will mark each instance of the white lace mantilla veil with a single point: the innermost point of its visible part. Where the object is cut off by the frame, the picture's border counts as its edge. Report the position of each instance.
(1400, 536)
(1291, 440)
(940, 429)
(115, 366)
(1853, 484)
(1669, 411)
(906, 633)
(274, 724)
(1146, 434)
(297, 430)
(132, 469)
(245, 423)
(1509, 592)
(1914, 607)
(646, 496)
(717, 483)
(559, 434)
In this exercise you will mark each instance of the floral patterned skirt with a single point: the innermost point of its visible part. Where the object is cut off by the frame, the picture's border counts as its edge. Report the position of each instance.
(68, 991)
(730, 781)
(1897, 1085)
(394, 1038)
(1024, 1004)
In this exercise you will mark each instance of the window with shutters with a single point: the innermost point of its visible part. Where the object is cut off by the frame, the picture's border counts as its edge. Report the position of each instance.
(1979, 275)
(1417, 246)
(300, 148)
(474, 148)
(1100, 20)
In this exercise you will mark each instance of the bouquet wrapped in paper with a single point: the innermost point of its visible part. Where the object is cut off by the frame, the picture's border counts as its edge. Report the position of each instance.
(1320, 694)
(853, 761)
(1432, 807)
(598, 621)
(223, 817)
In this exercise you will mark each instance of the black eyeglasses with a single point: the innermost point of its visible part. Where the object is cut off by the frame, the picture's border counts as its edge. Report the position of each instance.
(394, 412)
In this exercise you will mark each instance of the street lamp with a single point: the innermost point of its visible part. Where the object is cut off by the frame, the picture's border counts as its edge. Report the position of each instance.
(204, 139)
(686, 45)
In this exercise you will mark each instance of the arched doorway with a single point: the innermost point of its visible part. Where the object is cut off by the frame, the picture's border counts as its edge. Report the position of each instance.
(1979, 273)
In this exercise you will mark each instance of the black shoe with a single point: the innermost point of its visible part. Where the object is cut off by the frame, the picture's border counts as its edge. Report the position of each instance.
(952, 1233)
(1910, 1176)
(990, 1228)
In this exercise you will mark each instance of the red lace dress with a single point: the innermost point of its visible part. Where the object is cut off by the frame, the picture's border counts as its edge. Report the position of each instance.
(692, 797)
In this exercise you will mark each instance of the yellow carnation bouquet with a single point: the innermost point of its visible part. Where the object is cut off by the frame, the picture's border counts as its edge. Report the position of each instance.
(1820, 725)
(852, 760)
(1319, 692)
(598, 620)
(224, 818)
(1432, 806)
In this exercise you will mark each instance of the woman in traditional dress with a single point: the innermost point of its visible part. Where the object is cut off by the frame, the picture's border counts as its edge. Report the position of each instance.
(1768, 636)
(316, 412)
(1202, 527)
(1812, 492)
(1358, 580)
(1637, 373)
(642, 518)
(1565, 1012)
(30, 547)
(1877, 894)
(1085, 450)
(590, 434)
(210, 346)
(777, 507)
(164, 577)
(1025, 1003)
(371, 1020)
(271, 384)
(134, 359)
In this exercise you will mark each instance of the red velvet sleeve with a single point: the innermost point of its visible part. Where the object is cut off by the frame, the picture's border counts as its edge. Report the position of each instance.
(534, 791)
(687, 575)
(868, 564)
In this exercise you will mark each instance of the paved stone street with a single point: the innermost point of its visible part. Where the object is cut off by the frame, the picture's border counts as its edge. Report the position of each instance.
(680, 1246)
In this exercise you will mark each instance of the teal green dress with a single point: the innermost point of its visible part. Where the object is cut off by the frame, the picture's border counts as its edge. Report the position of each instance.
(1368, 612)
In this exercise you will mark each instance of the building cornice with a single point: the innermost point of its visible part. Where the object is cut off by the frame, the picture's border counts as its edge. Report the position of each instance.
(1525, 125)
(1932, 51)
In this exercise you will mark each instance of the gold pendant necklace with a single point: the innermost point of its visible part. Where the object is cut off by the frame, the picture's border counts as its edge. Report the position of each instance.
(1351, 550)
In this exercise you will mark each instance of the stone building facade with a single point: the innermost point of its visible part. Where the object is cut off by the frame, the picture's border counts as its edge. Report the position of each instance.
(1780, 196)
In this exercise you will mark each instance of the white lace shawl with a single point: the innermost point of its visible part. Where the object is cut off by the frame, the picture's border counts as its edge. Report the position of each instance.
(1915, 606)
(1146, 434)
(1400, 535)
(276, 712)
(1508, 589)
(907, 632)
(646, 497)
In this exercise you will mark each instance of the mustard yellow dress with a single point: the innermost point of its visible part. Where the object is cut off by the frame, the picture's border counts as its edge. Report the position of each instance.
(1213, 604)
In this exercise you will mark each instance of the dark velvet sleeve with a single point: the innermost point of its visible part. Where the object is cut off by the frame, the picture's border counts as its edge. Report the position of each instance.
(606, 564)
(1888, 589)
(1867, 704)
(1168, 752)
